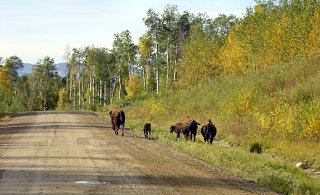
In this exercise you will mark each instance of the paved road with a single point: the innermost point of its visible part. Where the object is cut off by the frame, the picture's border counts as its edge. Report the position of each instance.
(78, 153)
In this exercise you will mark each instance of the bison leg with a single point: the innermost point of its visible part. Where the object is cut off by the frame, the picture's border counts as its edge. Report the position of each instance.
(190, 136)
(114, 128)
(123, 130)
(146, 134)
(211, 140)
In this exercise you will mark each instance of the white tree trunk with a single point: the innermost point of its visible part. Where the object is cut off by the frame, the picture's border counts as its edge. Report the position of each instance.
(105, 94)
(74, 95)
(93, 92)
(79, 92)
(120, 88)
(157, 67)
(168, 66)
(144, 78)
(90, 90)
(100, 93)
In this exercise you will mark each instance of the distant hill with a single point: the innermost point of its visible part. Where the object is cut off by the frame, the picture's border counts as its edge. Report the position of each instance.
(27, 68)
(61, 68)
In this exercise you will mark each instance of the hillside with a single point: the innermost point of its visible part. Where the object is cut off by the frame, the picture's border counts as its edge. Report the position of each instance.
(27, 69)
(278, 108)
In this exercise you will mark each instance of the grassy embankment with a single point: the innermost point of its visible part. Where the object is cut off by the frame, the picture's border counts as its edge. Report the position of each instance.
(278, 108)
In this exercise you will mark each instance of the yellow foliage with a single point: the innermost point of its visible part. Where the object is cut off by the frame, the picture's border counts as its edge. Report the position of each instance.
(311, 121)
(200, 55)
(144, 46)
(259, 9)
(265, 121)
(269, 35)
(232, 55)
(242, 103)
(63, 99)
(314, 37)
(133, 85)
(4, 78)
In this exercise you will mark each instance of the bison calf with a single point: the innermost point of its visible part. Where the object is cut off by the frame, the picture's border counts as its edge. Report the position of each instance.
(180, 128)
(117, 119)
(208, 131)
(147, 130)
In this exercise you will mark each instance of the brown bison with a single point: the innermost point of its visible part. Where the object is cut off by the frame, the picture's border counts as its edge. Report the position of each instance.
(192, 127)
(180, 128)
(147, 130)
(117, 119)
(208, 131)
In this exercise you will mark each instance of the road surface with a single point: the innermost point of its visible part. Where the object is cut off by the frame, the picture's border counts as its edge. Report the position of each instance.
(78, 153)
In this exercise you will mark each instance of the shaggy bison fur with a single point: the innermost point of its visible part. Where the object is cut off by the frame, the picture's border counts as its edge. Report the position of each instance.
(208, 131)
(192, 127)
(180, 128)
(117, 119)
(147, 130)
(188, 128)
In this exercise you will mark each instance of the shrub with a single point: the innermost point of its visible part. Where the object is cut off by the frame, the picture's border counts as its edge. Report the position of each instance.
(310, 120)
(256, 148)
(301, 95)
(134, 85)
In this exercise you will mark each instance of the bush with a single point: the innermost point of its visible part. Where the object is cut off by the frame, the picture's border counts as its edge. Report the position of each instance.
(133, 85)
(256, 148)
(310, 120)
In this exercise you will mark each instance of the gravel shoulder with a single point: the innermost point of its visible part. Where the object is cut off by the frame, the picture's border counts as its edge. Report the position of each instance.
(78, 153)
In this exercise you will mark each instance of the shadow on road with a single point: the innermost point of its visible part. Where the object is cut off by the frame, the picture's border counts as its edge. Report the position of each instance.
(21, 114)
(43, 126)
(58, 178)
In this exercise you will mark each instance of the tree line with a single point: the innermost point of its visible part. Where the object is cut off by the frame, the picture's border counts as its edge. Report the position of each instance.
(37, 91)
(176, 51)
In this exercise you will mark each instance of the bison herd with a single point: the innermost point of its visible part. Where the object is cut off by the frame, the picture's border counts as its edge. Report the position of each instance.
(188, 127)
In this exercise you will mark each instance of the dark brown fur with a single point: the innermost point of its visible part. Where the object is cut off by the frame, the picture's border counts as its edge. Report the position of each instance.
(180, 128)
(208, 131)
(147, 130)
(117, 119)
(192, 127)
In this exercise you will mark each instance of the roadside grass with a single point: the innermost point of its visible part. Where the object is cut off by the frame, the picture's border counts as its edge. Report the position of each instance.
(278, 109)
(5, 115)
(261, 168)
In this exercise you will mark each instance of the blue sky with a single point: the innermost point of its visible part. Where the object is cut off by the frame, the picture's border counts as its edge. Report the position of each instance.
(32, 29)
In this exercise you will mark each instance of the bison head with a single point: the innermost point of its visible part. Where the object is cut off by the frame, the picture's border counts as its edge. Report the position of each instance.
(172, 128)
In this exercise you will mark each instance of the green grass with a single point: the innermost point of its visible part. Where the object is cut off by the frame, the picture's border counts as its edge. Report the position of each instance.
(278, 108)
(265, 170)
